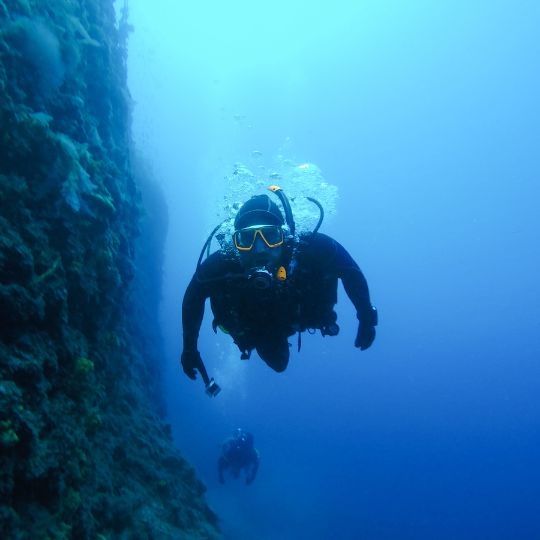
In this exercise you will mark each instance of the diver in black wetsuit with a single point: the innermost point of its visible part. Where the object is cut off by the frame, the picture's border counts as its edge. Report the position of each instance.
(272, 287)
(239, 453)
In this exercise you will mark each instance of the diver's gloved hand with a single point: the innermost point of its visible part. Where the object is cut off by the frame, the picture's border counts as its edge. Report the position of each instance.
(364, 336)
(366, 329)
(191, 360)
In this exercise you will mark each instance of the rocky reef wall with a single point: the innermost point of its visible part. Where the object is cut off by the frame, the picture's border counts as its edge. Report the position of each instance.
(84, 451)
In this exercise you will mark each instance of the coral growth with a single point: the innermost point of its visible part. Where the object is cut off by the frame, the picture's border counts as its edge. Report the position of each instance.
(85, 453)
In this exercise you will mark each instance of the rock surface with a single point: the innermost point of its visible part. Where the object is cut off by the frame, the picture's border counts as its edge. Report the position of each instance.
(84, 451)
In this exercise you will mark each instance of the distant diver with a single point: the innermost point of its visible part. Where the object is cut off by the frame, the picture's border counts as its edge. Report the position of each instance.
(239, 453)
(272, 284)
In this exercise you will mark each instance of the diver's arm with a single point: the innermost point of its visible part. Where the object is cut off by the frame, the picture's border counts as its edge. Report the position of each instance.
(254, 468)
(335, 260)
(199, 289)
(357, 290)
(354, 282)
(192, 316)
(193, 313)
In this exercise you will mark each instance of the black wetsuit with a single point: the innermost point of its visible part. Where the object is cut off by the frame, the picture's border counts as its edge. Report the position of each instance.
(236, 456)
(264, 319)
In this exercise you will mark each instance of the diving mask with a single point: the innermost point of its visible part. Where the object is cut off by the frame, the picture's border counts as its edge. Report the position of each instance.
(272, 236)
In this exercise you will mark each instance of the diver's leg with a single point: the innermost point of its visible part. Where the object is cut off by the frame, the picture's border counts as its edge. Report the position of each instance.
(222, 465)
(275, 352)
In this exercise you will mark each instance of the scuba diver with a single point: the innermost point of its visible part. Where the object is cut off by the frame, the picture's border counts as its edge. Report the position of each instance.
(272, 284)
(238, 452)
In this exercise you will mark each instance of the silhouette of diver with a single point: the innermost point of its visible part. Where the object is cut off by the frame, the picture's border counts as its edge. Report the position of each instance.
(239, 453)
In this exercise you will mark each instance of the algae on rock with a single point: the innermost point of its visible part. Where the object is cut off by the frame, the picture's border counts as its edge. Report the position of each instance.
(85, 453)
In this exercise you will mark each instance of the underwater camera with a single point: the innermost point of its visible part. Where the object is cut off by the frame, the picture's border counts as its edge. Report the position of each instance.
(212, 388)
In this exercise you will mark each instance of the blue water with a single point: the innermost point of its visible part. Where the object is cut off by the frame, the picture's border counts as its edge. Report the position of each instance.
(426, 117)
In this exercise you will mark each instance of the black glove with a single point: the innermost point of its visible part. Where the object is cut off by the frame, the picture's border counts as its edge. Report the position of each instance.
(366, 330)
(364, 337)
(191, 360)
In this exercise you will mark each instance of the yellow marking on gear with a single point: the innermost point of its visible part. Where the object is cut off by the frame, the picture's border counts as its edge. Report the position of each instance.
(282, 273)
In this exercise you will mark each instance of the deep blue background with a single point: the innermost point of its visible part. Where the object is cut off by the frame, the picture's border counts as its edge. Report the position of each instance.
(426, 116)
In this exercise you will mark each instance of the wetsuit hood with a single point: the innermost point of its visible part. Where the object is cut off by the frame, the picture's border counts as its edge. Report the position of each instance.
(259, 210)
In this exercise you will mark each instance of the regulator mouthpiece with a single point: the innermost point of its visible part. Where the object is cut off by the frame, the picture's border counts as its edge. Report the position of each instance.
(260, 279)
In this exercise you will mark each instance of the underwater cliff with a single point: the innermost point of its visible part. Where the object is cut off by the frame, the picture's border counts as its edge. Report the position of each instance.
(85, 452)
